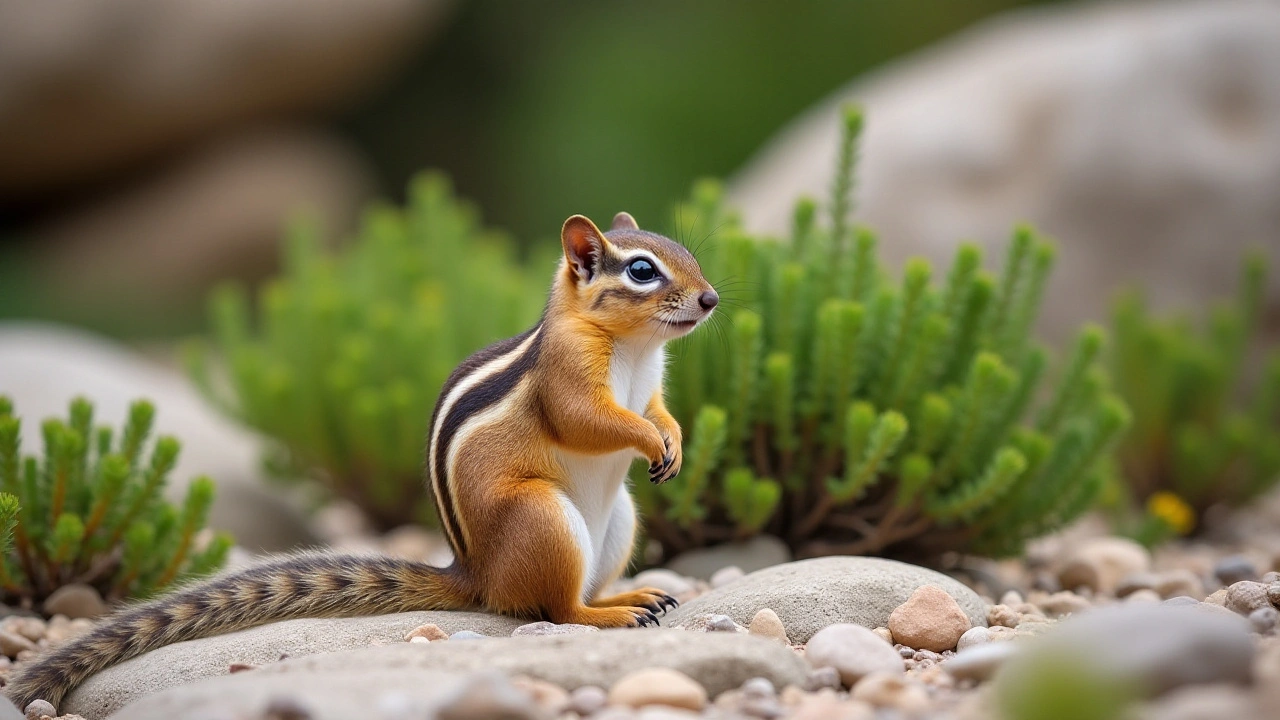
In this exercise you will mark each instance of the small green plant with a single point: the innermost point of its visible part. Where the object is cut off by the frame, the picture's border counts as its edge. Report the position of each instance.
(850, 413)
(1198, 433)
(343, 356)
(90, 510)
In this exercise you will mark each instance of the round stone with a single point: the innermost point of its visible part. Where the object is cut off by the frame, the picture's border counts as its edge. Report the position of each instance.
(972, 637)
(929, 620)
(75, 601)
(40, 708)
(587, 700)
(853, 651)
(766, 623)
(658, 686)
(1235, 568)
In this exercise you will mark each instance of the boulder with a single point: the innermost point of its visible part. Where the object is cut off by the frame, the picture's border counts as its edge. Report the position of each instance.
(187, 662)
(1143, 136)
(809, 595)
(716, 661)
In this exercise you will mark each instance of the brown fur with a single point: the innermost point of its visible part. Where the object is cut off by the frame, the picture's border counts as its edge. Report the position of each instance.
(515, 551)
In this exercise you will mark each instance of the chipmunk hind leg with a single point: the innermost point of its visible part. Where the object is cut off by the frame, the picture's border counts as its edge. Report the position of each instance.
(615, 556)
(538, 559)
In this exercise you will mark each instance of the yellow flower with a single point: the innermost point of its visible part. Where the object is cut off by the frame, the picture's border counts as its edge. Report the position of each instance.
(1173, 510)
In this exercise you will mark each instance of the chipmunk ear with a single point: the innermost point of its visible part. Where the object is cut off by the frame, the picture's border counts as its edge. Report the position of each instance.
(624, 221)
(583, 246)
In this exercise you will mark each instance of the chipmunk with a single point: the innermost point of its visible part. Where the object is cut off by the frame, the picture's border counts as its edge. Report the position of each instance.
(527, 458)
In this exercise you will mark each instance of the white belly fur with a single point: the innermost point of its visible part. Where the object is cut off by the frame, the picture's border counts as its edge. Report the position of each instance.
(594, 481)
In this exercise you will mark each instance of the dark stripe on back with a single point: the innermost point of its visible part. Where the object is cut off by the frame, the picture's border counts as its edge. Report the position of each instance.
(473, 401)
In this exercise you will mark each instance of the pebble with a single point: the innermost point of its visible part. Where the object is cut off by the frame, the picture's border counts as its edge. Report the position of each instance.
(548, 696)
(1003, 616)
(467, 635)
(823, 677)
(1273, 594)
(825, 707)
(75, 601)
(726, 575)
(11, 644)
(489, 695)
(1066, 602)
(421, 640)
(1233, 569)
(889, 690)
(973, 636)
(721, 623)
(31, 628)
(427, 632)
(766, 623)
(1183, 600)
(1102, 563)
(853, 651)
(1011, 598)
(587, 700)
(1246, 596)
(40, 708)
(239, 667)
(980, 662)
(658, 686)
(930, 620)
(1264, 619)
(884, 634)
(1179, 581)
(667, 581)
(1217, 597)
(549, 628)
(285, 708)
(1136, 581)
(1143, 596)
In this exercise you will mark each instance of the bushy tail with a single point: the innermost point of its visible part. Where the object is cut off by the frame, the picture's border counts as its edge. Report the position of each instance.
(308, 585)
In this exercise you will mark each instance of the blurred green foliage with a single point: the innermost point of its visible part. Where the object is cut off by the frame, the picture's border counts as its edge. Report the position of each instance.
(341, 357)
(1203, 431)
(849, 412)
(90, 510)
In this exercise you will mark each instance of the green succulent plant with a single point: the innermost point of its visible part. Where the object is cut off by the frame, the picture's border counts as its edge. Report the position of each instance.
(90, 510)
(850, 412)
(341, 357)
(1204, 430)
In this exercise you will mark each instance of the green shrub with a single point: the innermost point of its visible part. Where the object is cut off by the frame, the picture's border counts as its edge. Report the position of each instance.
(847, 412)
(1197, 433)
(343, 356)
(90, 510)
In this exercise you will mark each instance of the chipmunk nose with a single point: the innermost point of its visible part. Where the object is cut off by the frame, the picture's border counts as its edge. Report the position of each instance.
(708, 299)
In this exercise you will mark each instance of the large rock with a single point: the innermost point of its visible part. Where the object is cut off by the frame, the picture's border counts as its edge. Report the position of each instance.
(717, 661)
(1148, 647)
(809, 595)
(1144, 136)
(193, 660)
(89, 88)
(42, 367)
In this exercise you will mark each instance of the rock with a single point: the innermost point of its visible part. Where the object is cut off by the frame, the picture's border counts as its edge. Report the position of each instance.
(809, 595)
(1264, 620)
(11, 644)
(45, 366)
(1067, 603)
(430, 632)
(929, 620)
(825, 707)
(1050, 116)
(721, 623)
(980, 662)
(1179, 581)
(1011, 597)
(75, 601)
(726, 575)
(766, 623)
(759, 552)
(853, 651)
(1135, 582)
(40, 708)
(1246, 596)
(1153, 648)
(1143, 596)
(884, 634)
(549, 628)
(667, 581)
(1003, 615)
(1183, 601)
(548, 696)
(890, 690)
(1273, 594)
(658, 686)
(490, 695)
(31, 628)
(1235, 568)
(972, 637)
(587, 700)
(822, 677)
(468, 635)
(717, 661)
(1110, 560)
(1076, 574)
(189, 661)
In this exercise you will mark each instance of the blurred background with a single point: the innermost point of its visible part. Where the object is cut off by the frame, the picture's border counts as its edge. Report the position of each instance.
(151, 149)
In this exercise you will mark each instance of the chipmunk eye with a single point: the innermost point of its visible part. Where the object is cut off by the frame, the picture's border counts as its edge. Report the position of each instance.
(642, 271)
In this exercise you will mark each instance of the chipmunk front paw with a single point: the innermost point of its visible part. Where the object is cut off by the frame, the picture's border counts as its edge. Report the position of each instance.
(672, 458)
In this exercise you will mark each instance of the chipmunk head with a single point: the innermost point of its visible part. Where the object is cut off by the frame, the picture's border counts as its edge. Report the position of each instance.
(632, 282)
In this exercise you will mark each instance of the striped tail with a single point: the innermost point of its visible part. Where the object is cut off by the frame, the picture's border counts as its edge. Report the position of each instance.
(299, 586)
